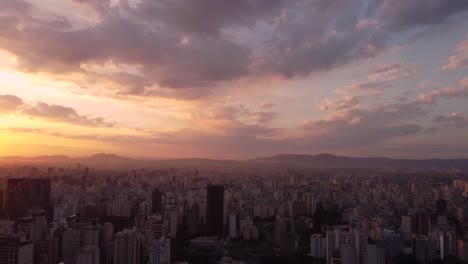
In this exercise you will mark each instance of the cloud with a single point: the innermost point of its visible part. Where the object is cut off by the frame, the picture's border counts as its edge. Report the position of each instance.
(461, 91)
(51, 112)
(207, 17)
(264, 117)
(373, 87)
(399, 15)
(197, 47)
(340, 104)
(9, 103)
(266, 105)
(59, 113)
(431, 130)
(454, 119)
(391, 72)
(304, 42)
(366, 126)
(427, 84)
(460, 59)
(225, 111)
(231, 111)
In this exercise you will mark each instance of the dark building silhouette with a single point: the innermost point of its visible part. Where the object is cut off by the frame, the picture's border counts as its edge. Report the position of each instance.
(441, 206)
(15, 250)
(27, 193)
(193, 219)
(421, 223)
(215, 210)
(156, 202)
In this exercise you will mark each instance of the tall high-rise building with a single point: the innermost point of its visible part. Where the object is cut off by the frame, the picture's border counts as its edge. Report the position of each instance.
(215, 210)
(421, 223)
(357, 241)
(447, 244)
(289, 244)
(155, 225)
(406, 227)
(88, 255)
(232, 225)
(318, 246)
(27, 193)
(424, 249)
(88, 232)
(47, 250)
(15, 250)
(106, 242)
(160, 251)
(156, 202)
(462, 250)
(375, 254)
(70, 245)
(128, 247)
(348, 254)
(193, 219)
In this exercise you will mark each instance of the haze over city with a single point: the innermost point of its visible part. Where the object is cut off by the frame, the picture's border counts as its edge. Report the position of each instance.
(234, 79)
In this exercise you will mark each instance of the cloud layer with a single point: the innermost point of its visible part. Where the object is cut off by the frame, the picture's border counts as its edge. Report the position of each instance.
(50, 112)
(180, 44)
(244, 77)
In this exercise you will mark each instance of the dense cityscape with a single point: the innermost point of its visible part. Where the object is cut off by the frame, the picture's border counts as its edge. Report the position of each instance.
(237, 214)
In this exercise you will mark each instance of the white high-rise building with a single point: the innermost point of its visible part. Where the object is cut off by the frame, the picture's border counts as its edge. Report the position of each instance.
(160, 251)
(318, 246)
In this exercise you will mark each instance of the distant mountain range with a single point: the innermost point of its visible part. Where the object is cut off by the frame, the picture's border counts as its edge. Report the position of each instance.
(332, 161)
(112, 161)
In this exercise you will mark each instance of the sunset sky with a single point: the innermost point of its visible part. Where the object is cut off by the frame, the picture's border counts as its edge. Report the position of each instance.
(234, 79)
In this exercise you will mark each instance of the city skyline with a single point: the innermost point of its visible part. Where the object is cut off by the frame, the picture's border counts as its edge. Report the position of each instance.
(234, 79)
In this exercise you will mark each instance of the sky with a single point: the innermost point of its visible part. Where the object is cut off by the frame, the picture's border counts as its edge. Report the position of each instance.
(234, 79)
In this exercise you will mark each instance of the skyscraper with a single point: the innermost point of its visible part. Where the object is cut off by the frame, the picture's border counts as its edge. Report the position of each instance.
(215, 210)
(15, 250)
(193, 219)
(318, 246)
(160, 251)
(88, 255)
(156, 202)
(375, 254)
(26, 193)
(128, 245)
(424, 249)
